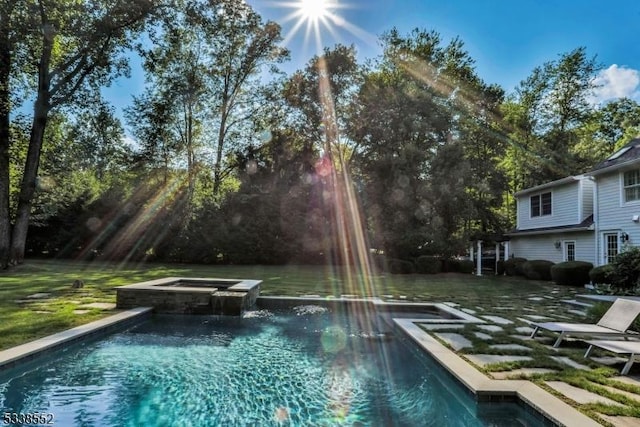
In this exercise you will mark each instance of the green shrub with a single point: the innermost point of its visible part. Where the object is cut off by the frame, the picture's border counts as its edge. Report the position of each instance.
(400, 266)
(513, 266)
(571, 273)
(626, 269)
(600, 275)
(500, 268)
(451, 265)
(466, 266)
(428, 264)
(537, 269)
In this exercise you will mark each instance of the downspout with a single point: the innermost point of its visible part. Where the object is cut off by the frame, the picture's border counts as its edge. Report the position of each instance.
(596, 215)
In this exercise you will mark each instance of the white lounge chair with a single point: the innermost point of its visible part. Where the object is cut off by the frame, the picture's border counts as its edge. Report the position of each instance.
(615, 321)
(632, 348)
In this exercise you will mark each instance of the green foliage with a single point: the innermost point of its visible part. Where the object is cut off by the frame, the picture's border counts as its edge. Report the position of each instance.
(428, 264)
(400, 266)
(466, 266)
(626, 269)
(537, 269)
(571, 273)
(601, 274)
(513, 266)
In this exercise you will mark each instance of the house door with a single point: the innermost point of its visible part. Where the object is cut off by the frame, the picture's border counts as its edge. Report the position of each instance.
(569, 250)
(611, 247)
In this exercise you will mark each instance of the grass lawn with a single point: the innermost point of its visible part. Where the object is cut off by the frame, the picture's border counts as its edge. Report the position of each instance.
(23, 319)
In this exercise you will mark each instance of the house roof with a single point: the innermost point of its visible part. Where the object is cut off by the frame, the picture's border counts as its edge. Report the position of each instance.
(625, 156)
(585, 225)
(551, 184)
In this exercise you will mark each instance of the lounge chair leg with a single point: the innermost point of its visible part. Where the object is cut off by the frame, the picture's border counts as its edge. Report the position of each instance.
(535, 331)
(628, 365)
(559, 340)
(588, 351)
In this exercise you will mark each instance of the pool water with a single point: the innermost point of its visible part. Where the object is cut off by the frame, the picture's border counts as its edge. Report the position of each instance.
(304, 368)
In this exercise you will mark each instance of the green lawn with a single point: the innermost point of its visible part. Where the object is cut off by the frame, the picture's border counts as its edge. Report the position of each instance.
(22, 320)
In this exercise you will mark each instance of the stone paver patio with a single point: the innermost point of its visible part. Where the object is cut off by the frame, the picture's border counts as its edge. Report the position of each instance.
(513, 325)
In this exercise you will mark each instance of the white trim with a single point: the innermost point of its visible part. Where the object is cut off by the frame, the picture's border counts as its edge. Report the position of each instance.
(596, 215)
(565, 243)
(623, 202)
(580, 201)
(531, 217)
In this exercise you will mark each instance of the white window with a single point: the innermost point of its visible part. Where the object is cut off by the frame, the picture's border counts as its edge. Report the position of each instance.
(631, 185)
(569, 251)
(541, 204)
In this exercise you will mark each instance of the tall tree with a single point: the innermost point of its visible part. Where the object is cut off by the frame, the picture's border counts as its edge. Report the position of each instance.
(80, 47)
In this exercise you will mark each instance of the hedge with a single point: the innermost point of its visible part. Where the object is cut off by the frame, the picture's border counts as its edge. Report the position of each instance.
(428, 264)
(466, 266)
(601, 275)
(537, 269)
(500, 268)
(571, 273)
(513, 266)
(400, 266)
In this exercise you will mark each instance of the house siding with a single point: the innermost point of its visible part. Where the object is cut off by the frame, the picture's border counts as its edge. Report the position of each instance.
(543, 246)
(588, 187)
(613, 214)
(564, 201)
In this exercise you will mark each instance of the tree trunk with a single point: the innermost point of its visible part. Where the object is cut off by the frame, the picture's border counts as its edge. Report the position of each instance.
(5, 109)
(28, 185)
(217, 170)
(40, 115)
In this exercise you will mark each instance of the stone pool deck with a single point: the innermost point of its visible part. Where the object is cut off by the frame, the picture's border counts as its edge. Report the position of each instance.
(499, 356)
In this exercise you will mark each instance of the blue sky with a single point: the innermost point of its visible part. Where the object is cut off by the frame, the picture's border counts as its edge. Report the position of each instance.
(507, 38)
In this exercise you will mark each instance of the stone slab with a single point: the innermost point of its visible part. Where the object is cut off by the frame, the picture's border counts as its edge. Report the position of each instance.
(628, 379)
(609, 360)
(100, 305)
(497, 319)
(527, 321)
(536, 298)
(580, 395)
(516, 373)
(524, 329)
(490, 328)
(81, 311)
(39, 295)
(570, 362)
(469, 311)
(440, 326)
(536, 339)
(577, 312)
(621, 421)
(516, 347)
(455, 341)
(537, 317)
(488, 359)
(483, 336)
(630, 395)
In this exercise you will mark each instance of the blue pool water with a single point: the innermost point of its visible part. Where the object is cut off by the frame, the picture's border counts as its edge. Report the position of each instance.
(309, 368)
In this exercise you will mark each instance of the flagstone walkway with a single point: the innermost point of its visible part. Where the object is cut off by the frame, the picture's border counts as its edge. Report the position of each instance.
(503, 349)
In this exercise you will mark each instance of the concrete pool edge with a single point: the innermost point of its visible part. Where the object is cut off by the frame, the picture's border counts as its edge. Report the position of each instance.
(13, 356)
(542, 401)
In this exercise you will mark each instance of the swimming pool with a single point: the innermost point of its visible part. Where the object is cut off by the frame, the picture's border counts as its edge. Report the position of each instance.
(307, 366)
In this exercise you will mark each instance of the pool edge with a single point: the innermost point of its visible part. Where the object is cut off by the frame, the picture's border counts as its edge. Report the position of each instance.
(542, 401)
(24, 352)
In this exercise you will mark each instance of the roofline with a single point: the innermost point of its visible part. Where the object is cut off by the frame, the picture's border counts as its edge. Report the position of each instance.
(554, 231)
(546, 185)
(613, 167)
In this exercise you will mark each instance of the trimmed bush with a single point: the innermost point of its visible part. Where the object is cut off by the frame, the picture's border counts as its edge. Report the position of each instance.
(428, 264)
(513, 266)
(601, 275)
(537, 269)
(380, 262)
(400, 266)
(571, 273)
(626, 269)
(466, 266)
(451, 265)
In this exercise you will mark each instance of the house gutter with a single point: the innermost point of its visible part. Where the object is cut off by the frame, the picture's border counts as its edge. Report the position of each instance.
(556, 231)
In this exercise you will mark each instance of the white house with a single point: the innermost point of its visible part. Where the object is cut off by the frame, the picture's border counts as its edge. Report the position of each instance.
(586, 217)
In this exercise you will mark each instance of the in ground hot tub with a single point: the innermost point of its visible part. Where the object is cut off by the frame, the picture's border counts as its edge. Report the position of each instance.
(181, 295)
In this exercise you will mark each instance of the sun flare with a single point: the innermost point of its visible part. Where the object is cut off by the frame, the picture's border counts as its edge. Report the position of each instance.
(314, 10)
